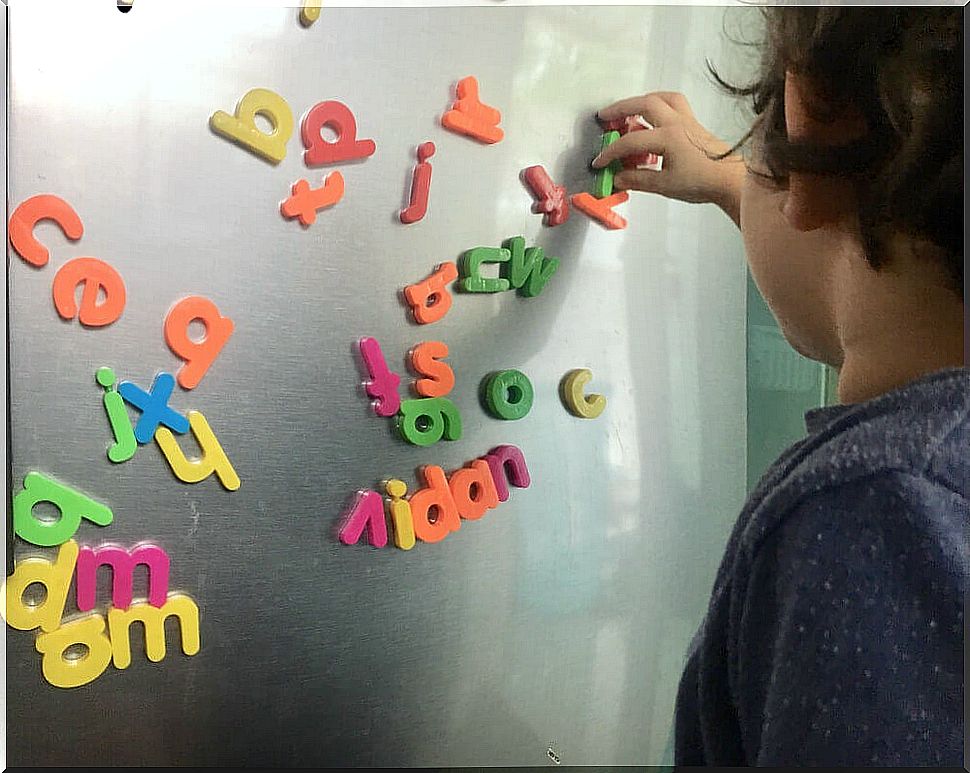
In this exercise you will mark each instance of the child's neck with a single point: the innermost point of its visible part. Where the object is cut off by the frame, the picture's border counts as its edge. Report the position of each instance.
(896, 325)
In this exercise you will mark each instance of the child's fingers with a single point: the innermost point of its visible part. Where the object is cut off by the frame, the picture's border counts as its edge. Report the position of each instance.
(656, 110)
(620, 109)
(639, 180)
(677, 101)
(633, 143)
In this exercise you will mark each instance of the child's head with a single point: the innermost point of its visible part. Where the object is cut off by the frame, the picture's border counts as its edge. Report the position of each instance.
(859, 139)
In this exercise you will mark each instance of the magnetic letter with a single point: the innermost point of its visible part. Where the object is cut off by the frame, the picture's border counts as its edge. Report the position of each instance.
(56, 579)
(73, 672)
(420, 185)
(73, 506)
(527, 269)
(305, 200)
(603, 183)
(383, 384)
(436, 495)
(632, 123)
(470, 267)
(154, 407)
(542, 270)
(125, 444)
(213, 459)
(508, 394)
(242, 128)
(509, 460)
(310, 12)
(95, 275)
(469, 115)
(153, 618)
(368, 510)
(400, 514)
(122, 563)
(579, 404)
(601, 210)
(473, 490)
(198, 355)
(550, 198)
(426, 361)
(424, 422)
(347, 147)
(29, 213)
(521, 261)
(430, 299)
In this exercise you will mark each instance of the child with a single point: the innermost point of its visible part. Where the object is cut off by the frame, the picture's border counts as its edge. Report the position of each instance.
(834, 634)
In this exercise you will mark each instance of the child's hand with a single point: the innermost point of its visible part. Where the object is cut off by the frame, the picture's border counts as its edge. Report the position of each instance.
(689, 172)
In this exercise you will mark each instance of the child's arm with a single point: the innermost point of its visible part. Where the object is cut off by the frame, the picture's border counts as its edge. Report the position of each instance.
(689, 171)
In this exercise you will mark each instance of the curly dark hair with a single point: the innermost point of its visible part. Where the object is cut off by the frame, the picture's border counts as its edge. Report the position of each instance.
(902, 69)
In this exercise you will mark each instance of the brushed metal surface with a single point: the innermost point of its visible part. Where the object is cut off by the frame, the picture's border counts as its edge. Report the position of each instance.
(558, 620)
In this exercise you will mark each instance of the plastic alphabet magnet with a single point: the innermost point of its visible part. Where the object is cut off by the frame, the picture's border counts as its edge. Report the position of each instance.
(579, 404)
(469, 266)
(97, 277)
(507, 464)
(424, 422)
(470, 116)
(153, 619)
(122, 563)
(603, 185)
(473, 490)
(198, 355)
(55, 576)
(528, 269)
(383, 384)
(368, 511)
(429, 299)
(213, 459)
(154, 407)
(400, 514)
(241, 128)
(420, 186)
(550, 198)
(125, 443)
(436, 494)
(29, 213)
(73, 506)
(88, 631)
(508, 394)
(337, 116)
(439, 378)
(601, 210)
(310, 12)
(306, 201)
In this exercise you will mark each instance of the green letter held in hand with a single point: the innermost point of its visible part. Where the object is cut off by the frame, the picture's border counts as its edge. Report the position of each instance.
(73, 507)
(603, 186)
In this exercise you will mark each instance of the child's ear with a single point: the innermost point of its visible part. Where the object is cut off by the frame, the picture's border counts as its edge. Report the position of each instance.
(815, 200)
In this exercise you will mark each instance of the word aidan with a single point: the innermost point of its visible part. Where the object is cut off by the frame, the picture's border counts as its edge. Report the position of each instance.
(466, 495)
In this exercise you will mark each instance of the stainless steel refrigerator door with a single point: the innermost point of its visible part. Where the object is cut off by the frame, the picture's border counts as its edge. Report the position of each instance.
(559, 620)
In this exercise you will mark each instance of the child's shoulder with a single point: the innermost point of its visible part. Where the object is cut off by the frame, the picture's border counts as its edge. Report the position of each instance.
(848, 569)
(903, 451)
